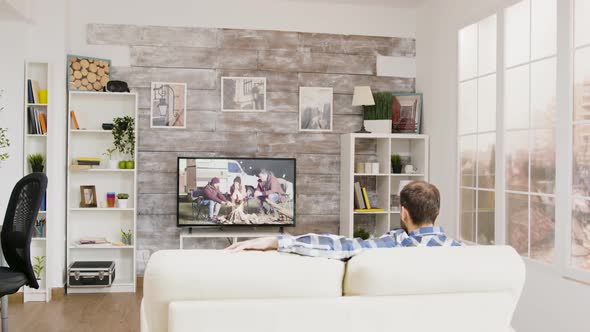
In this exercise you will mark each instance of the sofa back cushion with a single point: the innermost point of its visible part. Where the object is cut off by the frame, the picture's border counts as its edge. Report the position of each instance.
(185, 275)
(432, 270)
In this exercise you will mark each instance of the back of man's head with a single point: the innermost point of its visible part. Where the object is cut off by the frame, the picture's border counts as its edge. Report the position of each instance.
(422, 201)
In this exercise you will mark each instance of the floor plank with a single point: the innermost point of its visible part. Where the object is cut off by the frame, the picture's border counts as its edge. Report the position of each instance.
(78, 312)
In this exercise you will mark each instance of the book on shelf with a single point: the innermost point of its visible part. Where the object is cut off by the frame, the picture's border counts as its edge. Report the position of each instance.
(87, 161)
(74, 120)
(358, 196)
(30, 98)
(92, 240)
(35, 90)
(370, 210)
(366, 198)
(42, 123)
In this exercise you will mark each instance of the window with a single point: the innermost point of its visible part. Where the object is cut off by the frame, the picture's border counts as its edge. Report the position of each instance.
(580, 228)
(477, 131)
(529, 123)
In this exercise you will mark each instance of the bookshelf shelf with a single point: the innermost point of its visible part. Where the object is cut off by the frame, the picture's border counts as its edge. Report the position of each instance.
(91, 109)
(363, 148)
(35, 140)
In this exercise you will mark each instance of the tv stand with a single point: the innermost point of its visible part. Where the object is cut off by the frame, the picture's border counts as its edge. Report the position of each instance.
(219, 232)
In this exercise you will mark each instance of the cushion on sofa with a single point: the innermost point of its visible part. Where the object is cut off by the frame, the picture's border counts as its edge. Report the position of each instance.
(181, 275)
(431, 270)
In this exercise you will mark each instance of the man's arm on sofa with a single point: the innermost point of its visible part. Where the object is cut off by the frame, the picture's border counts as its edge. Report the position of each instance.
(332, 246)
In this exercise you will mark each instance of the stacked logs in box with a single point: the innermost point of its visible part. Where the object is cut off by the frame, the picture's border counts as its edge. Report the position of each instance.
(88, 74)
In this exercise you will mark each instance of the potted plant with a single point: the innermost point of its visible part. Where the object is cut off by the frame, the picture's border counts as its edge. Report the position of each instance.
(123, 200)
(4, 143)
(378, 117)
(39, 266)
(112, 163)
(362, 234)
(396, 164)
(124, 139)
(36, 161)
(126, 237)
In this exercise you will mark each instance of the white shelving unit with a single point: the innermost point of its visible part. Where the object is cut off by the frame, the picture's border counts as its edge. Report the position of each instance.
(379, 148)
(92, 109)
(37, 143)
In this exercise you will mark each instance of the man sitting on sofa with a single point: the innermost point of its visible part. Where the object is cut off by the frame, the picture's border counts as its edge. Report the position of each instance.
(420, 204)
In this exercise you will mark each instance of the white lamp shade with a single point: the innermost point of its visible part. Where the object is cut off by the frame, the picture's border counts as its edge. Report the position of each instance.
(362, 96)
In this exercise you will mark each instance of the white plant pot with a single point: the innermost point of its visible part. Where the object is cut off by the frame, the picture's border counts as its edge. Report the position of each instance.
(378, 126)
(122, 203)
(113, 164)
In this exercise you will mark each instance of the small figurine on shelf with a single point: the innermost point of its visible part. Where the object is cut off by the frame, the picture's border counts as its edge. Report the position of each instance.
(126, 237)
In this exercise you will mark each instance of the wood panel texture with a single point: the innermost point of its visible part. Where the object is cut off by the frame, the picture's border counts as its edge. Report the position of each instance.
(288, 60)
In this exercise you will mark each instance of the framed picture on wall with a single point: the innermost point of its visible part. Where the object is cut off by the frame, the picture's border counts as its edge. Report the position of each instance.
(168, 105)
(407, 113)
(243, 94)
(87, 73)
(88, 197)
(316, 109)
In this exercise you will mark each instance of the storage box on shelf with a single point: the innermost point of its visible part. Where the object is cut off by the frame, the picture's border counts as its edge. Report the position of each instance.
(360, 154)
(36, 115)
(89, 140)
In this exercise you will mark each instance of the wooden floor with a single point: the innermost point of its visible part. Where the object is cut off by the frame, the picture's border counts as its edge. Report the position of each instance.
(78, 313)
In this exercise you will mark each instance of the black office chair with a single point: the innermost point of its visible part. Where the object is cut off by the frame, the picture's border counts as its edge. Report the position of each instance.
(17, 231)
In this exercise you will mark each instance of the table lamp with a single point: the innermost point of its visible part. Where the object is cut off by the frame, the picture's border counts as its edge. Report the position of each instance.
(363, 97)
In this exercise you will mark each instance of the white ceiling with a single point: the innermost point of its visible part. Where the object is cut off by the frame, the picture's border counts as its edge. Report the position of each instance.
(384, 3)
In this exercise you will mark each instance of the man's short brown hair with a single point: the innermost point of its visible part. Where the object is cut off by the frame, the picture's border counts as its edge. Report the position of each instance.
(422, 200)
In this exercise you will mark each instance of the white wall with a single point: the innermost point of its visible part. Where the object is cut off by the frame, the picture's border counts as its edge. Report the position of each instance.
(549, 302)
(59, 27)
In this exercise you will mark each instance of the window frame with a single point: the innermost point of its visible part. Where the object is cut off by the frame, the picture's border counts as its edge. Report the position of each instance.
(563, 127)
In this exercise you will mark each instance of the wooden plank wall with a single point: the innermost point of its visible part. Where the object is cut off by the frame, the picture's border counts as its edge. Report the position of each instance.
(199, 57)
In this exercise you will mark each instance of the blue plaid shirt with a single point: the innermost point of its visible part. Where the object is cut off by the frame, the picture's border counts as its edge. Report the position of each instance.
(339, 247)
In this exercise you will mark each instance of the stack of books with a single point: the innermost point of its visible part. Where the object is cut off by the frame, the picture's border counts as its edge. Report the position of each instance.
(361, 200)
(37, 121)
(85, 163)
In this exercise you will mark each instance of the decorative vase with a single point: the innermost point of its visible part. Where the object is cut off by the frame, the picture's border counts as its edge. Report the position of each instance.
(396, 169)
(378, 126)
(113, 164)
(123, 203)
(130, 164)
(37, 168)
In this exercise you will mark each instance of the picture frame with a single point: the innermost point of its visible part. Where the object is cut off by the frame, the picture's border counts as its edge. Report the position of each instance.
(88, 196)
(86, 73)
(406, 112)
(243, 94)
(168, 105)
(316, 109)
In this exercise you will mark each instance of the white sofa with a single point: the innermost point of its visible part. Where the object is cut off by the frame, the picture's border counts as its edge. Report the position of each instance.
(460, 289)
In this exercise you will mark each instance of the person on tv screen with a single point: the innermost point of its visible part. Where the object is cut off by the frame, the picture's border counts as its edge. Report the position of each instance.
(269, 189)
(214, 198)
(237, 192)
(420, 204)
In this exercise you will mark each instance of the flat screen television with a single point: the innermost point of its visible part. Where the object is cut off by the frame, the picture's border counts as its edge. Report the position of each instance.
(235, 192)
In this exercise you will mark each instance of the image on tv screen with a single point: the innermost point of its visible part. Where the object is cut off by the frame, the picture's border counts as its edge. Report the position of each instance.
(220, 192)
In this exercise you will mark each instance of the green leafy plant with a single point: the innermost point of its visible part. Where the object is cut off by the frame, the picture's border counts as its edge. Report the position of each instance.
(35, 159)
(396, 159)
(109, 153)
(382, 110)
(4, 143)
(123, 196)
(124, 135)
(126, 237)
(38, 266)
(361, 233)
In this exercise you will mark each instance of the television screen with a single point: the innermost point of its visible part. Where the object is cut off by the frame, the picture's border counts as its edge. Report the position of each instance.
(236, 192)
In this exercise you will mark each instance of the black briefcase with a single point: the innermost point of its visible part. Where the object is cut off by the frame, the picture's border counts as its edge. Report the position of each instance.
(91, 274)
